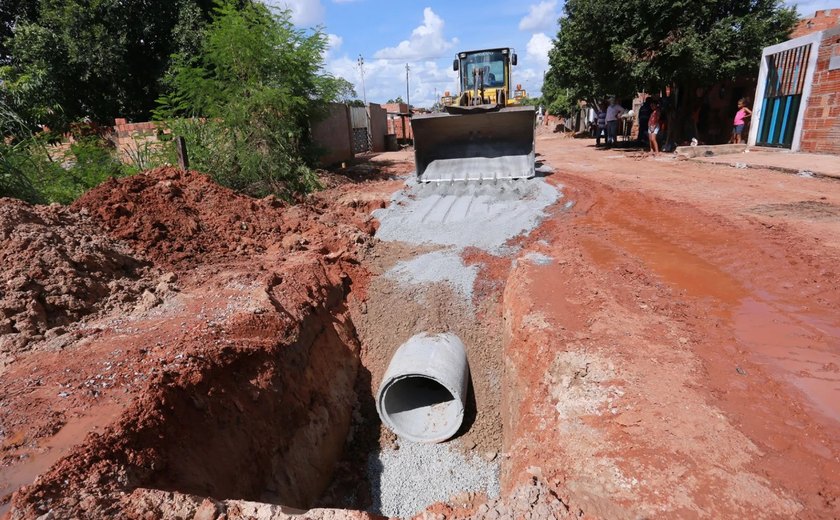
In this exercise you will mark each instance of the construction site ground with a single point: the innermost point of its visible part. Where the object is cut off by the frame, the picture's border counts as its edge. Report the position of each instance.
(647, 337)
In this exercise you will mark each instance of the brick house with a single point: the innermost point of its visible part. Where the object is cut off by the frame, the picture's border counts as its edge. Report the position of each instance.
(797, 101)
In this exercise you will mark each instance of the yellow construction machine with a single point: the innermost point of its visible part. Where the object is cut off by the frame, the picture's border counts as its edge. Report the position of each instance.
(484, 134)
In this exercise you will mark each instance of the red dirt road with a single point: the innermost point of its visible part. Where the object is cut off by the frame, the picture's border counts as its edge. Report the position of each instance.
(671, 347)
(687, 336)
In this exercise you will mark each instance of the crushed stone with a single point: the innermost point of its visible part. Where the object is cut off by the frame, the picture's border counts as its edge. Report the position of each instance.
(484, 215)
(537, 258)
(405, 481)
(439, 266)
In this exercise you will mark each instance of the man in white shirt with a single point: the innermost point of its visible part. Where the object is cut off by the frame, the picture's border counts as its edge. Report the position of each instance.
(614, 111)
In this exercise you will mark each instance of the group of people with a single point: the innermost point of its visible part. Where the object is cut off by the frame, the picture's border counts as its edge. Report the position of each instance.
(651, 122)
(606, 122)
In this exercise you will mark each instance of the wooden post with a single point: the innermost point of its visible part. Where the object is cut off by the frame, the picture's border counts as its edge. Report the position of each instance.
(183, 158)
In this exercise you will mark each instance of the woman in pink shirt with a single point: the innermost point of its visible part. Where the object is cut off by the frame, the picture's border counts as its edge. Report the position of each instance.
(740, 120)
(653, 126)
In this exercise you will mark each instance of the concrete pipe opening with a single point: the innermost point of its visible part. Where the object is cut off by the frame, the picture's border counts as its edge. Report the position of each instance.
(422, 395)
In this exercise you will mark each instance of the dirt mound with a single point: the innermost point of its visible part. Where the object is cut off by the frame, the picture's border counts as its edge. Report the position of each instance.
(183, 219)
(57, 268)
(179, 217)
(243, 355)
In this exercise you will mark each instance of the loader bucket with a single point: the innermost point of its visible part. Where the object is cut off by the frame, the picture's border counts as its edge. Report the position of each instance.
(480, 146)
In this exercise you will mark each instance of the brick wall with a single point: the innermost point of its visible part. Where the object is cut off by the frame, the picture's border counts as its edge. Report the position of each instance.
(135, 138)
(395, 108)
(821, 21)
(400, 125)
(821, 123)
(333, 135)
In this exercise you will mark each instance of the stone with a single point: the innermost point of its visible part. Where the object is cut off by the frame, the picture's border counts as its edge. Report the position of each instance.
(208, 510)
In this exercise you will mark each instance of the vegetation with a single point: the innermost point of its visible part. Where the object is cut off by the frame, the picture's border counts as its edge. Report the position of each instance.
(244, 103)
(64, 61)
(646, 45)
(36, 170)
(237, 80)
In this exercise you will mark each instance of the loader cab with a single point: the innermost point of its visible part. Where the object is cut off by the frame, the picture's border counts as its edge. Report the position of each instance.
(495, 62)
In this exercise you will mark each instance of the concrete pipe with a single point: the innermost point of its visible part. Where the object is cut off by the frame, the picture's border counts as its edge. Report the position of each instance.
(422, 395)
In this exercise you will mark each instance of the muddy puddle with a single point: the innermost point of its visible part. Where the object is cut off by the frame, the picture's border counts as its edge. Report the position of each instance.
(38, 460)
(773, 327)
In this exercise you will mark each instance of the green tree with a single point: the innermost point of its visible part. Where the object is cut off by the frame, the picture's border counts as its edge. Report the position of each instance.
(645, 45)
(245, 102)
(345, 91)
(67, 60)
(12, 13)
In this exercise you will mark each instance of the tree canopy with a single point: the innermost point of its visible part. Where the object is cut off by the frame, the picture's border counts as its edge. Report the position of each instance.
(66, 60)
(602, 47)
(246, 100)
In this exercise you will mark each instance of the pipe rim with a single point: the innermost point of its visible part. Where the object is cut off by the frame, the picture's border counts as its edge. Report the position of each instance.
(439, 436)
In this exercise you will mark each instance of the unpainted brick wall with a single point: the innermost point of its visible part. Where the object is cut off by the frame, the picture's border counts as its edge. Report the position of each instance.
(132, 138)
(821, 124)
(821, 21)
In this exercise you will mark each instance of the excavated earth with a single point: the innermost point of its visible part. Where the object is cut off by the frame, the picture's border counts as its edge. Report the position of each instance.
(661, 340)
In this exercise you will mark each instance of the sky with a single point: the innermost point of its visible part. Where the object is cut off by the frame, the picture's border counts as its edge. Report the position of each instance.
(427, 35)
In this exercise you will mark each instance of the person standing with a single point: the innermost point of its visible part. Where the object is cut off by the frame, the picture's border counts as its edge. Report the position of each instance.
(602, 125)
(653, 126)
(614, 111)
(644, 115)
(740, 120)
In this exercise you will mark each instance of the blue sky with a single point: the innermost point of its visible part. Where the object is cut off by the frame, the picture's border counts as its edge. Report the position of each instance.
(427, 35)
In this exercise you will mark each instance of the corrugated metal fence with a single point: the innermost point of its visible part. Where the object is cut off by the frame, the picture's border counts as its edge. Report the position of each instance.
(359, 122)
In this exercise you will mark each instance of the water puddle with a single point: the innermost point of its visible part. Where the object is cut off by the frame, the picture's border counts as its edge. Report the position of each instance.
(40, 460)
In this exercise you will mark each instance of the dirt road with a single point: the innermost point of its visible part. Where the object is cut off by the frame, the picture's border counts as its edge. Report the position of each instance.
(688, 336)
(660, 340)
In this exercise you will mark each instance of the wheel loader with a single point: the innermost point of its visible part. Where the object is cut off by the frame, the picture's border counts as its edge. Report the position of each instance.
(485, 134)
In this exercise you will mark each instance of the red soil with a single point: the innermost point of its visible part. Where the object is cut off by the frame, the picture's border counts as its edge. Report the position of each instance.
(145, 397)
(678, 357)
(57, 268)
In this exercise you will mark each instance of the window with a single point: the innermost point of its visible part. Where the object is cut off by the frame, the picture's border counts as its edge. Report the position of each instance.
(494, 61)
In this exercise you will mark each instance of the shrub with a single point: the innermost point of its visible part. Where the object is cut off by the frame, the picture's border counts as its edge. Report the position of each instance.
(245, 103)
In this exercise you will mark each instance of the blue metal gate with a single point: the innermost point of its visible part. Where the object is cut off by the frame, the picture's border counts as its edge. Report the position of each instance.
(782, 96)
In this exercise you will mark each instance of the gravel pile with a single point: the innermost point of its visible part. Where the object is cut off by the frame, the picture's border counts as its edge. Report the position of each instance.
(438, 266)
(481, 215)
(405, 481)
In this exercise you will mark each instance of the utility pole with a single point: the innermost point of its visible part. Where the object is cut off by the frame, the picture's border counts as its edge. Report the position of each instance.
(361, 62)
(407, 92)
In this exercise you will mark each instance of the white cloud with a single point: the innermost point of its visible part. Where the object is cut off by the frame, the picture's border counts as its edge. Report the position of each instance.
(537, 49)
(334, 42)
(540, 17)
(530, 79)
(385, 79)
(809, 7)
(426, 41)
(304, 12)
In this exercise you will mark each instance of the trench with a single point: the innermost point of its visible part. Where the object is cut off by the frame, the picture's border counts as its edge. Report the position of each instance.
(340, 455)
(292, 420)
(297, 426)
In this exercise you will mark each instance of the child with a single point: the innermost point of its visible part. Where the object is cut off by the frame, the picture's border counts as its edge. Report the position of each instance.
(653, 126)
(740, 119)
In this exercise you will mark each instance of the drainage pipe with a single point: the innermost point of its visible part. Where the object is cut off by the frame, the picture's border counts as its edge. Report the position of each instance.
(422, 395)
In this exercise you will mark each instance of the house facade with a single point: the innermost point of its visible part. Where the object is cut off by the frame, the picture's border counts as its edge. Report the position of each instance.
(797, 99)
